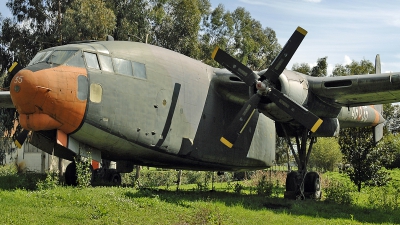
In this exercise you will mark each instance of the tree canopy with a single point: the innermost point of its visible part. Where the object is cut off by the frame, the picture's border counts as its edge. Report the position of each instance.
(326, 154)
(319, 70)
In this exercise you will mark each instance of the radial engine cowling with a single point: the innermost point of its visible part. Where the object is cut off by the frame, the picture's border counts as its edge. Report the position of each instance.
(292, 84)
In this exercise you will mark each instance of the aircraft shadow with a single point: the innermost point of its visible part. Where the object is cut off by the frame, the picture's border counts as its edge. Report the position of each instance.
(310, 208)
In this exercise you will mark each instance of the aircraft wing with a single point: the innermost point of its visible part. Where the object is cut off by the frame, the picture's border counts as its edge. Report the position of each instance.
(357, 90)
(5, 100)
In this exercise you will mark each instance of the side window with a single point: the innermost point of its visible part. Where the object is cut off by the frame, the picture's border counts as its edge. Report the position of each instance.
(91, 60)
(139, 70)
(123, 66)
(106, 63)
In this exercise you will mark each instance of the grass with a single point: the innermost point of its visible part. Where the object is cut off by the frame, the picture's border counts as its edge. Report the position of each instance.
(24, 204)
(112, 205)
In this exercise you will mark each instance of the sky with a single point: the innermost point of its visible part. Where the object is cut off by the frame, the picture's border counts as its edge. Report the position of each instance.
(342, 30)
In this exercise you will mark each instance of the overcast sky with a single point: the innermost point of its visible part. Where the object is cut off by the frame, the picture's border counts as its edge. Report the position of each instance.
(343, 30)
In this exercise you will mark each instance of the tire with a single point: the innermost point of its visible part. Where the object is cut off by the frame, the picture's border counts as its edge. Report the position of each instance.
(70, 175)
(116, 179)
(291, 181)
(291, 186)
(312, 185)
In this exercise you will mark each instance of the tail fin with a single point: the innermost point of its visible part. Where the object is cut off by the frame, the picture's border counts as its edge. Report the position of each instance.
(378, 129)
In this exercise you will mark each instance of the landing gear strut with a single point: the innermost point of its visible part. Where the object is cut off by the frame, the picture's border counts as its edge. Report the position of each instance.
(302, 184)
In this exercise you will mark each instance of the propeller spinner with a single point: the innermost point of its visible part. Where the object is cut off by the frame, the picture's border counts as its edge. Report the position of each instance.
(265, 85)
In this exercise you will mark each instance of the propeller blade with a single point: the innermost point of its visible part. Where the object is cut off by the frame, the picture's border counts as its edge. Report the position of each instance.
(240, 121)
(15, 67)
(243, 72)
(281, 61)
(21, 138)
(296, 111)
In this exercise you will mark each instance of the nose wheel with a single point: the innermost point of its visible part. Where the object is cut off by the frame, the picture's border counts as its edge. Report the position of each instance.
(302, 184)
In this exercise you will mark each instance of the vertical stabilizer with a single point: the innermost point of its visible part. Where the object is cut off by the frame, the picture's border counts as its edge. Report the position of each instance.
(378, 129)
(378, 64)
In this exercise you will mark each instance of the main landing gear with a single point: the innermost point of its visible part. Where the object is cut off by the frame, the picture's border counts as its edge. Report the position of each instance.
(302, 184)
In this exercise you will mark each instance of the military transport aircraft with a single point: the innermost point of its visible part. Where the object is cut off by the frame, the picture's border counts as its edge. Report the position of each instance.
(139, 104)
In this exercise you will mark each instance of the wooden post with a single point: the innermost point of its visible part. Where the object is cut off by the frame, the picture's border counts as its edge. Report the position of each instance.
(178, 181)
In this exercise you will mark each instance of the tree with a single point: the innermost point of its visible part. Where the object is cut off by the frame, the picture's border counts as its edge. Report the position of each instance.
(319, 70)
(390, 146)
(326, 154)
(366, 159)
(132, 19)
(357, 144)
(240, 36)
(87, 20)
(362, 67)
(303, 68)
(282, 155)
(391, 112)
(176, 24)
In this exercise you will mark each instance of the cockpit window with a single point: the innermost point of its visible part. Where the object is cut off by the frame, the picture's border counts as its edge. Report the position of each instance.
(40, 57)
(76, 60)
(60, 56)
(91, 60)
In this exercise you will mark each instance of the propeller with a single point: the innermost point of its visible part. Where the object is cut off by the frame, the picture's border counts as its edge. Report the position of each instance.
(21, 137)
(19, 141)
(15, 67)
(265, 85)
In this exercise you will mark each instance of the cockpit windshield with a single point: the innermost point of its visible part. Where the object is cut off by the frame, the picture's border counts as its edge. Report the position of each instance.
(60, 56)
(53, 57)
(40, 57)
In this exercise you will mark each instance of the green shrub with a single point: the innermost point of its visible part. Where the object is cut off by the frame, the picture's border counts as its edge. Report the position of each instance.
(339, 192)
(261, 182)
(385, 198)
(238, 188)
(83, 172)
(264, 187)
(9, 169)
(52, 181)
(154, 178)
(192, 177)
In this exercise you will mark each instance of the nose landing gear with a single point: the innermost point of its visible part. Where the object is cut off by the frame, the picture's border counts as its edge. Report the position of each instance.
(104, 174)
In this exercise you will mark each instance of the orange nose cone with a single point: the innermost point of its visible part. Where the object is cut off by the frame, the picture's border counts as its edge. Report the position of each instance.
(47, 99)
(23, 91)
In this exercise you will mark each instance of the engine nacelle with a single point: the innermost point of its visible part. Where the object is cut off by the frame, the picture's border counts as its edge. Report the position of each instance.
(329, 128)
(292, 84)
